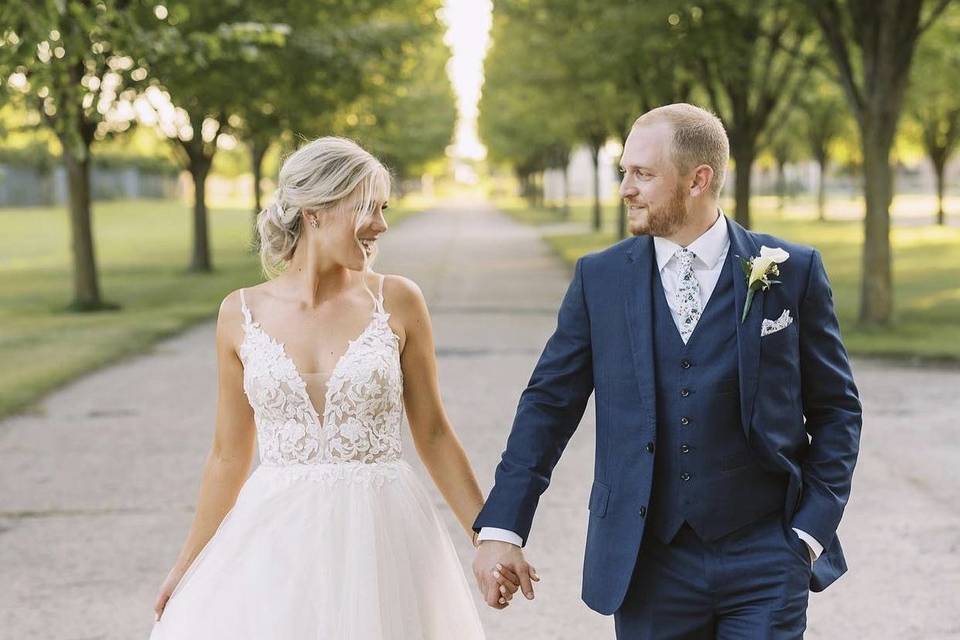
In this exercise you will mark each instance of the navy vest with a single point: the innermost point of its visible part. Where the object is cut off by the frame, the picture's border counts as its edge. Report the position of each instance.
(704, 472)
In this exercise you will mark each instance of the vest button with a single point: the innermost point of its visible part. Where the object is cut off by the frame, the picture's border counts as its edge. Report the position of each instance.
(643, 511)
(684, 448)
(684, 476)
(650, 447)
(684, 392)
(684, 420)
(685, 363)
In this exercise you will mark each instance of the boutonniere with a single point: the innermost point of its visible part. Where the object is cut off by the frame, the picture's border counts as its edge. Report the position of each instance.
(759, 270)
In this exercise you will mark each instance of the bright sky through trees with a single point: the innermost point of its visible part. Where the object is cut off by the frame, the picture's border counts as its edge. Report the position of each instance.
(468, 32)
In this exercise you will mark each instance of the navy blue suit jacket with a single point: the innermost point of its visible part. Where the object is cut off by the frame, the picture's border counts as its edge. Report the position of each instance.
(799, 406)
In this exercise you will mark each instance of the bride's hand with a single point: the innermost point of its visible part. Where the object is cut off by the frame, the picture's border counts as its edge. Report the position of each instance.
(166, 589)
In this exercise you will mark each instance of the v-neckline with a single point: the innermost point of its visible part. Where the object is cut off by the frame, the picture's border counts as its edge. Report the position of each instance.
(321, 419)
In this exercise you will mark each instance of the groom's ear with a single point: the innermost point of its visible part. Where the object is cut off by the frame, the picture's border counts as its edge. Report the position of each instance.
(701, 179)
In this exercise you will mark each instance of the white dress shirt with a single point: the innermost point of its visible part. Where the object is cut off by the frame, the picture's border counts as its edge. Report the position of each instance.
(711, 249)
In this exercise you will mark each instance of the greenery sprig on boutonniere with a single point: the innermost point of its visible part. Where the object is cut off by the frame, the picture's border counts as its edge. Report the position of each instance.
(759, 270)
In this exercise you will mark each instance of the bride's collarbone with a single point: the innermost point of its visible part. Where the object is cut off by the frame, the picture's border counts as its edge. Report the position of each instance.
(316, 346)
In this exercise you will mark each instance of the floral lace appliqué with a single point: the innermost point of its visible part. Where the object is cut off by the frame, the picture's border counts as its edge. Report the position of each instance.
(363, 411)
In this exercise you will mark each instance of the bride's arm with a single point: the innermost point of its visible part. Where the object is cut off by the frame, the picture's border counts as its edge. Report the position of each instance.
(434, 437)
(234, 438)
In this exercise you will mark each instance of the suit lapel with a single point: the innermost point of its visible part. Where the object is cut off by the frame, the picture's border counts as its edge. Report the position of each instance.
(638, 297)
(748, 331)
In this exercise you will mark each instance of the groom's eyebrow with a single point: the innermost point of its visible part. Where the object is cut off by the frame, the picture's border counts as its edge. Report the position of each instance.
(634, 166)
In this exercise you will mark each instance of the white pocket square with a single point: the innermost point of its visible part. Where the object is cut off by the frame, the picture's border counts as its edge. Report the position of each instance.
(772, 326)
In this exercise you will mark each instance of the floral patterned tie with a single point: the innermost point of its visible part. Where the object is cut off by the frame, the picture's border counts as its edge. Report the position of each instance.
(687, 295)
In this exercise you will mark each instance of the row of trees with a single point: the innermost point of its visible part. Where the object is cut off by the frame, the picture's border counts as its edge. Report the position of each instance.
(266, 73)
(781, 74)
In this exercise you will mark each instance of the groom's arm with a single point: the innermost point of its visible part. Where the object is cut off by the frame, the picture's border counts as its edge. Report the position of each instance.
(832, 410)
(547, 415)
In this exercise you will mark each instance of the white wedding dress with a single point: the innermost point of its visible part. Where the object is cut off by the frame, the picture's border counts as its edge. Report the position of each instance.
(333, 536)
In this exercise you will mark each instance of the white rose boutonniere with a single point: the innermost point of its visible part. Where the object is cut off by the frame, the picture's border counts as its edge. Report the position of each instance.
(759, 270)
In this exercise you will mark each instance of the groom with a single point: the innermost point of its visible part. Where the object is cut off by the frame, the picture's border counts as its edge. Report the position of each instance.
(727, 419)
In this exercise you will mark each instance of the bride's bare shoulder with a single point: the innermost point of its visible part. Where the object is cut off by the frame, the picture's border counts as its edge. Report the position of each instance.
(402, 295)
(230, 316)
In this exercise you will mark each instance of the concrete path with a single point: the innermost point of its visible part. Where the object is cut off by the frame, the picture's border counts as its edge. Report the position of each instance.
(97, 489)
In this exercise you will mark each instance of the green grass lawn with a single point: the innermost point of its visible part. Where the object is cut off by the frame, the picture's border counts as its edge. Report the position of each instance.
(926, 267)
(143, 248)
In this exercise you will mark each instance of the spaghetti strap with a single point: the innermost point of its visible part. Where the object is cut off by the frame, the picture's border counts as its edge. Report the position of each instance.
(246, 310)
(380, 295)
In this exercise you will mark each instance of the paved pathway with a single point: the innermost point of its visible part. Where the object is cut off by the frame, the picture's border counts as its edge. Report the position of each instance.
(97, 489)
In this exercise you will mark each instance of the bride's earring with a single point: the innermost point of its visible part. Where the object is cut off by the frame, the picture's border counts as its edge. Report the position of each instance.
(315, 223)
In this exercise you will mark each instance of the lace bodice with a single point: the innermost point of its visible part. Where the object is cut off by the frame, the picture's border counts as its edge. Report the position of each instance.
(363, 408)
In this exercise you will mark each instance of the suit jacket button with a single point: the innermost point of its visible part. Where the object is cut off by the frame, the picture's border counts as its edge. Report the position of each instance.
(643, 511)
(650, 447)
(684, 476)
(685, 363)
(684, 448)
(684, 420)
(684, 392)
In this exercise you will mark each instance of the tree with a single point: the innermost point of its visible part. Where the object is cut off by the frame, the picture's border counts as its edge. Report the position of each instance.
(826, 118)
(66, 60)
(643, 77)
(519, 120)
(329, 59)
(561, 66)
(409, 120)
(783, 143)
(583, 80)
(200, 53)
(753, 59)
(872, 44)
(934, 102)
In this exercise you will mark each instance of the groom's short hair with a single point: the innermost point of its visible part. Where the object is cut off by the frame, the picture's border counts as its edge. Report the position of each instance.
(698, 138)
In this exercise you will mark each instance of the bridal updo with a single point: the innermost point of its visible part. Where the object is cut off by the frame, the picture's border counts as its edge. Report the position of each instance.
(320, 174)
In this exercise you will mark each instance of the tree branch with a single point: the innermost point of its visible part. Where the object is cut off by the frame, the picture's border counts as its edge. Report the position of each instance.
(934, 14)
(828, 15)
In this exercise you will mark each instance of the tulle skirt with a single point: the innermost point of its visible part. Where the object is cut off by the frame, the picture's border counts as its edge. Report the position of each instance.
(325, 551)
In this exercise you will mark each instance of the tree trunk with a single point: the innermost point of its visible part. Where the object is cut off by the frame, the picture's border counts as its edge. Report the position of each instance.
(526, 189)
(939, 166)
(86, 289)
(200, 260)
(781, 187)
(822, 188)
(743, 155)
(554, 201)
(257, 152)
(566, 191)
(597, 211)
(876, 294)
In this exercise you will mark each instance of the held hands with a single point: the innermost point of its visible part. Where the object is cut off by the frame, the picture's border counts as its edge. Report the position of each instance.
(501, 569)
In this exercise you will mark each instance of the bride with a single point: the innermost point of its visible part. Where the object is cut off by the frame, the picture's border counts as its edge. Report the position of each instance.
(332, 535)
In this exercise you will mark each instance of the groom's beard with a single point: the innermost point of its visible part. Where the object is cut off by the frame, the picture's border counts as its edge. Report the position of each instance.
(663, 220)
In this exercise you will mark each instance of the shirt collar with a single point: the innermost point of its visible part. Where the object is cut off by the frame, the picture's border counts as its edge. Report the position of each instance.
(709, 247)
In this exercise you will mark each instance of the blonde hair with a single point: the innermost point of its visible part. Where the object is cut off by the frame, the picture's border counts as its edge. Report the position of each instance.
(698, 138)
(321, 174)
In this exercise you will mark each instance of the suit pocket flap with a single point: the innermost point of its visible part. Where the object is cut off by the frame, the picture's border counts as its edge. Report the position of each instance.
(599, 495)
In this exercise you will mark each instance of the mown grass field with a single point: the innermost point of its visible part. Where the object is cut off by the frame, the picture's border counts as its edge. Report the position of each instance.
(926, 267)
(143, 249)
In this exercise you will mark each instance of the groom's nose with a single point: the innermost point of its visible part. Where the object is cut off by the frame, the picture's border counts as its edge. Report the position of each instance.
(627, 191)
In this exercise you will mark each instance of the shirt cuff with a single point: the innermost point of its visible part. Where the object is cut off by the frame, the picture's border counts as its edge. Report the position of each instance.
(502, 535)
(815, 547)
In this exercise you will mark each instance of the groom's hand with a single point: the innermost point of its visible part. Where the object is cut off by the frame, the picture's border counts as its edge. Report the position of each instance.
(503, 558)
